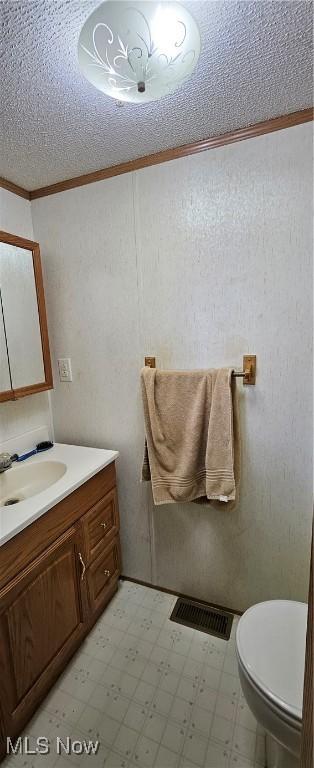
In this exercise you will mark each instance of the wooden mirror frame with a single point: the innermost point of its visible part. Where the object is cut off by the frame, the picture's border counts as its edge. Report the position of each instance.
(31, 389)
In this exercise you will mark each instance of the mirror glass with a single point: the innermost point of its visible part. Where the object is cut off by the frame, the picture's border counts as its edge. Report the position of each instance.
(20, 320)
(5, 378)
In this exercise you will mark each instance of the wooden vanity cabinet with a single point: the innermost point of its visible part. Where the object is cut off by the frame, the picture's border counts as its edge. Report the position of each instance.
(65, 574)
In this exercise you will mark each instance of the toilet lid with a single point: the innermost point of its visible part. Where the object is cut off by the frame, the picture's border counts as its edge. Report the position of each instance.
(271, 639)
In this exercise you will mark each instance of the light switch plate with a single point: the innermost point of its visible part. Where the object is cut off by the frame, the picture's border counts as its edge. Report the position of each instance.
(65, 370)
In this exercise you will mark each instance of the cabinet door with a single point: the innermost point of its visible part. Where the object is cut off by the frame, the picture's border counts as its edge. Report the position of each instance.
(2, 738)
(41, 623)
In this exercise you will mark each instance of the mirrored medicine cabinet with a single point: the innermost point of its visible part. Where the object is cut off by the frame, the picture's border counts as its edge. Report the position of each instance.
(25, 365)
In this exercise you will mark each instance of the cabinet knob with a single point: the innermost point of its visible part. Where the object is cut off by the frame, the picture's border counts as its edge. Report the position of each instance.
(83, 566)
(107, 573)
(104, 525)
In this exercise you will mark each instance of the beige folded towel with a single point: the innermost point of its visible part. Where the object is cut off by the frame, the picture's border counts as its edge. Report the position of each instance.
(192, 449)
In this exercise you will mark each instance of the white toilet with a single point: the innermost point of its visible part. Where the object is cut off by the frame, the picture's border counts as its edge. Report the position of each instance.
(270, 643)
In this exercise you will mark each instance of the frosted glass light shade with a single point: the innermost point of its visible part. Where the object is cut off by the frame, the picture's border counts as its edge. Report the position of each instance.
(138, 51)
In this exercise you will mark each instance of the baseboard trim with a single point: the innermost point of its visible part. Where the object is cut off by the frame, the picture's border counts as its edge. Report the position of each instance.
(180, 594)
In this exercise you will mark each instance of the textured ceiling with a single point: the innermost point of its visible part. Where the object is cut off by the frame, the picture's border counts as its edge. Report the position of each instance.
(256, 63)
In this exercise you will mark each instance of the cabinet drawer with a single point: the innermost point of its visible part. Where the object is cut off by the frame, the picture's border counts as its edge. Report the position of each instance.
(100, 525)
(102, 573)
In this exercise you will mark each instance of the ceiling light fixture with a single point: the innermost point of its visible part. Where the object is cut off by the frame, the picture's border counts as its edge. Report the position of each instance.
(138, 51)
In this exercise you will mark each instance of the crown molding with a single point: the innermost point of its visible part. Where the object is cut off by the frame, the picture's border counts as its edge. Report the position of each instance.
(240, 134)
(268, 126)
(5, 184)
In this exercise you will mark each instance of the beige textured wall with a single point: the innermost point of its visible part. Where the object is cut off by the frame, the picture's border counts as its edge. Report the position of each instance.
(198, 262)
(34, 411)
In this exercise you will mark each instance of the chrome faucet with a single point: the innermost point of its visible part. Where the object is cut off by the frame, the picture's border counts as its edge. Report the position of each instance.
(5, 461)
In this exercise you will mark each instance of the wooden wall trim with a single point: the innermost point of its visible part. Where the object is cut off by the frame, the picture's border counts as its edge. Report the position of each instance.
(5, 184)
(251, 132)
(268, 126)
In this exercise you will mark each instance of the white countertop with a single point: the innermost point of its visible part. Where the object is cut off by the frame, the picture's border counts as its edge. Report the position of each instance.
(82, 463)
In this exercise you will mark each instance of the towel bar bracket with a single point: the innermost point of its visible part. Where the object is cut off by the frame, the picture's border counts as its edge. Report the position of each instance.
(150, 362)
(248, 374)
(249, 369)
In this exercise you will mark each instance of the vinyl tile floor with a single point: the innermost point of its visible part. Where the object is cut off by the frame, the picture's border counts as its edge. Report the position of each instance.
(154, 693)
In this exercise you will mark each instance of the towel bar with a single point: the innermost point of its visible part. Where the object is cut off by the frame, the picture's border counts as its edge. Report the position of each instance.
(248, 374)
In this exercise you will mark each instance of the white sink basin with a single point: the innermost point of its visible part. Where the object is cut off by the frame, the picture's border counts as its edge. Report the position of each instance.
(42, 481)
(21, 482)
